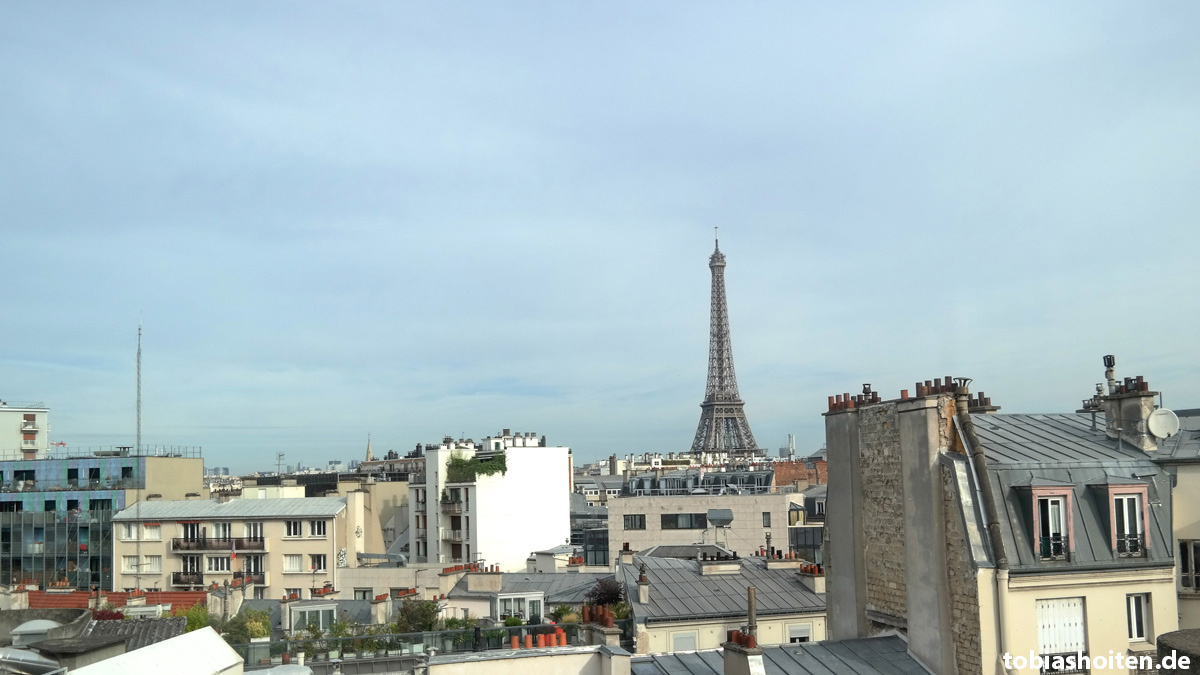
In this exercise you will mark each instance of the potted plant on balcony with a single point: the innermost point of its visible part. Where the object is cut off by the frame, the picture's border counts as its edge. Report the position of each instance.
(374, 643)
(337, 630)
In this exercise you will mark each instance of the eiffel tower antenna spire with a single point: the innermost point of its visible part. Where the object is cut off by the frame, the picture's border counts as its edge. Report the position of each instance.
(723, 426)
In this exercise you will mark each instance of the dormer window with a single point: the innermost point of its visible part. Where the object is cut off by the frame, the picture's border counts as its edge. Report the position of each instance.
(1052, 535)
(1129, 540)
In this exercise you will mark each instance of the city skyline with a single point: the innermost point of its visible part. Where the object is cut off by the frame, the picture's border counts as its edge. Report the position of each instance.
(414, 222)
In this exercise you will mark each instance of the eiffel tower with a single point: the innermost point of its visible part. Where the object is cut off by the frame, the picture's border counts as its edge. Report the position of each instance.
(723, 425)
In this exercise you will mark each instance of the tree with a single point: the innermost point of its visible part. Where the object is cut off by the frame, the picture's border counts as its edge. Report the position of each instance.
(197, 616)
(415, 616)
(606, 592)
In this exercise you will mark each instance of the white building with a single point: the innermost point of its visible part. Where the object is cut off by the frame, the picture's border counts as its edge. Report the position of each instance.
(491, 502)
(24, 430)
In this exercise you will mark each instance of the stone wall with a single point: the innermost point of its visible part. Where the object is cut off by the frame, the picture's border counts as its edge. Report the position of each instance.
(883, 509)
(964, 588)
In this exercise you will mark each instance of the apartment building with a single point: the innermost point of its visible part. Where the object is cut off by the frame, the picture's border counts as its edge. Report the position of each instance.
(276, 547)
(492, 502)
(675, 509)
(56, 511)
(977, 534)
(24, 430)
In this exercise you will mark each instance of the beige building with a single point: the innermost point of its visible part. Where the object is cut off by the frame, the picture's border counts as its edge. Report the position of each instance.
(988, 538)
(276, 546)
(24, 430)
(652, 519)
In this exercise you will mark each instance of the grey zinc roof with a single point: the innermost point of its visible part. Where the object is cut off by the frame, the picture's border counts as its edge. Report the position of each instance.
(867, 656)
(139, 633)
(560, 588)
(686, 551)
(1048, 439)
(206, 509)
(1025, 451)
(579, 506)
(679, 591)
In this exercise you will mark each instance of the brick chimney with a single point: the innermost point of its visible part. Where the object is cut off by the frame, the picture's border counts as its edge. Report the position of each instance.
(1127, 408)
(743, 656)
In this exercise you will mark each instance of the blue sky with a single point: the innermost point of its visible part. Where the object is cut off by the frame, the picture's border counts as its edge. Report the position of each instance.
(414, 220)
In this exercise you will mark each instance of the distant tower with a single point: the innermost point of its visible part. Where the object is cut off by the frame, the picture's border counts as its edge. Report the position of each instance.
(723, 425)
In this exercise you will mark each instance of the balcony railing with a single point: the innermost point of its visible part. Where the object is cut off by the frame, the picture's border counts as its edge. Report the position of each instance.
(419, 507)
(452, 507)
(46, 485)
(187, 579)
(218, 544)
(259, 578)
(454, 535)
(422, 533)
(1131, 546)
(29, 426)
(1054, 547)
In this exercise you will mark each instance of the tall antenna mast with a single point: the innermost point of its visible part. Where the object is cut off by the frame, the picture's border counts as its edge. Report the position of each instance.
(137, 451)
(279, 463)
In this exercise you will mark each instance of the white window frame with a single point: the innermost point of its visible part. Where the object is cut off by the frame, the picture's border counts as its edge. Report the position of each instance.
(1062, 626)
(154, 564)
(312, 562)
(292, 529)
(129, 531)
(316, 529)
(680, 640)
(152, 532)
(218, 563)
(799, 632)
(129, 564)
(1137, 611)
(1121, 519)
(297, 560)
(1054, 523)
(222, 530)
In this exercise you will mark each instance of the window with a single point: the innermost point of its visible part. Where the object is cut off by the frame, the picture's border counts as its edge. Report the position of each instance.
(1137, 608)
(127, 472)
(801, 632)
(260, 592)
(293, 562)
(94, 474)
(254, 531)
(129, 531)
(191, 564)
(1060, 627)
(820, 507)
(100, 505)
(1052, 542)
(153, 564)
(129, 564)
(1127, 514)
(684, 521)
(535, 611)
(293, 528)
(152, 532)
(683, 641)
(316, 528)
(635, 521)
(50, 506)
(766, 518)
(1189, 555)
(218, 564)
(292, 592)
(321, 618)
(223, 531)
(317, 561)
(362, 594)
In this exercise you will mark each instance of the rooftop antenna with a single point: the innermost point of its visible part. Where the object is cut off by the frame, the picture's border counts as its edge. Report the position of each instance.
(137, 451)
(279, 463)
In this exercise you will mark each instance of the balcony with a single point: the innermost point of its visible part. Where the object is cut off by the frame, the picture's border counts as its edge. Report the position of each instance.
(452, 507)
(187, 579)
(422, 533)
(1069, 663)
(259, 578)
(454, 535)
(1054, 547)
(215, 544)
(419, 507)
(30, 427)
(46, 485)
(1131, 546)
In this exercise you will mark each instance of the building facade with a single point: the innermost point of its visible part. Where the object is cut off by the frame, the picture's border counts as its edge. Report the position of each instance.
(274, 547)
(494, 502)
(24, 430)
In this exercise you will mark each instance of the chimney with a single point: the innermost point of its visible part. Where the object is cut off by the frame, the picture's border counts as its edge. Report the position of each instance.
(626, 555)
(643, 586)
(1127, 409)
(743, 656)
(381, 609)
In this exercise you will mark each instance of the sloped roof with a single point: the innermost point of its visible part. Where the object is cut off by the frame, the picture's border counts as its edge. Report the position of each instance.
(206, 509)
(579, 506)
(867, 656)
(679, 591)
(685, 551)
(206, 654)
(558, 588)
(1049, 439)
(139, 633)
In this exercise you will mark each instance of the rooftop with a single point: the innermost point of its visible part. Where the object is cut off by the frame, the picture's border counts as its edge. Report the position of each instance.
(868, 656)
(79, 599)
(234, 508)
(558, 588)
(138, 633)
(679, 591)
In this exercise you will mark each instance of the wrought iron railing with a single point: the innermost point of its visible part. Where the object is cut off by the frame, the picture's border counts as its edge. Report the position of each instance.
(218, 544)
(187, 579)
(1068, 663)
(1131, 546)
(1054, 547)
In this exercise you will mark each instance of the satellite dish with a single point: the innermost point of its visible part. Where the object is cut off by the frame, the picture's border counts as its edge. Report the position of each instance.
(1163, 423)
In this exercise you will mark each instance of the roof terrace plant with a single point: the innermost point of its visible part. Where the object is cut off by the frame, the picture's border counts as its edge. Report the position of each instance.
(461, 469)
